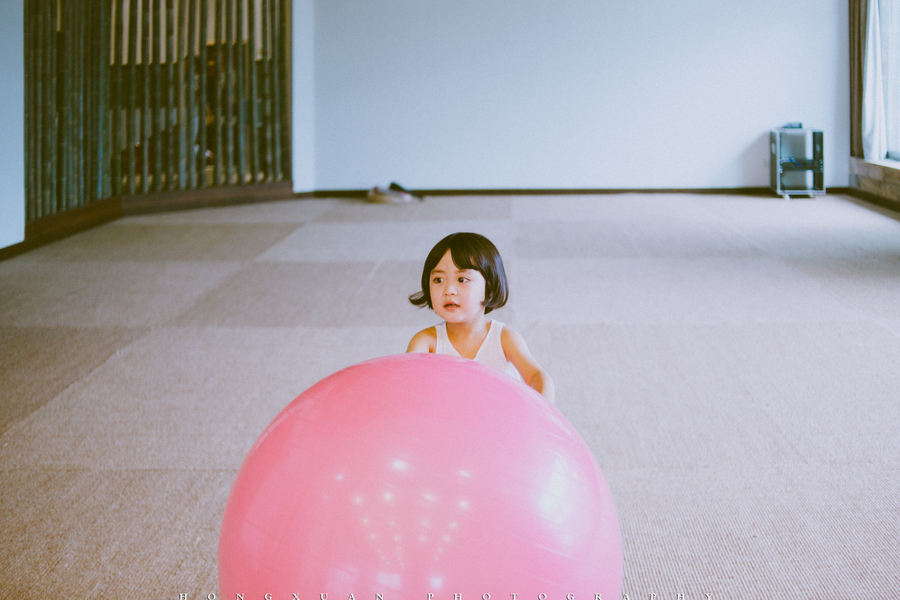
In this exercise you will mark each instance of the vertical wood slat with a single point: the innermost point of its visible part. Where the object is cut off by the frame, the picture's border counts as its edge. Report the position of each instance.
(88, 97)
(218, 121)
(252, 142)
(32, 104)
(229, 91)
(69, 45)
(65, 98)
(46, 103)
(36, 72)
(68, 81)
(158, 110)
(62, 81)
(78, 37)
(92, 85)
(70, 39)
(43, 132)
(50, 108)
(61, 97)
(131, 122)
(284, 95)
(276, 79)
(93, 79)
(181, 58)
(52, 150)
(270, 90)
(65, 80)
(29, 97)
(241, 100)
(102, 108)
(220, 97)
(92, 98)
(183, 99)
(177, 85)
(213, 99)
(73, 44)
(191, 106)
(116, 99)
(39, 86)
(146, 93)
(170, 124)
(202, 104)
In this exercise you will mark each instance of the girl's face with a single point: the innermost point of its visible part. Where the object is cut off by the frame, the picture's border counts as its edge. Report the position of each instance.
(457, 295)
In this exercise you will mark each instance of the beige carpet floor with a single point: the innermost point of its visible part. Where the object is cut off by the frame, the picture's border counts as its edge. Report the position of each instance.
(733, 362)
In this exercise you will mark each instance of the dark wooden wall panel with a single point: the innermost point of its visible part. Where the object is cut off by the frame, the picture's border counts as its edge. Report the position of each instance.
(141, 96)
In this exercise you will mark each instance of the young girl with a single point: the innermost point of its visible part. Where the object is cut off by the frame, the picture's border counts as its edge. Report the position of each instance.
(463, 280)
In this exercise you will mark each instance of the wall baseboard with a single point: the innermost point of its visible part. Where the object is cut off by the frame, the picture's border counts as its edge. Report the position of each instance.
(743, 191)
(154, 202)
(55, 227)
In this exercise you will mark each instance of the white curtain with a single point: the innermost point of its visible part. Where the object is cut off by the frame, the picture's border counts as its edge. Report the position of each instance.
(881, 85)
(889, 18)
(874, 121)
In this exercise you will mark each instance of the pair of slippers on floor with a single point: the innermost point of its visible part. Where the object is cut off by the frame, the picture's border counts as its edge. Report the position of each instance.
(394, 194)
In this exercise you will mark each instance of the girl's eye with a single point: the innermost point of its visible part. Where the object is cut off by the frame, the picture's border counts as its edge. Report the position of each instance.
(463, 280)
(437, 280)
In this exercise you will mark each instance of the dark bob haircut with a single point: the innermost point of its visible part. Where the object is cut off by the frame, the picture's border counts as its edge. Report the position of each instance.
(468, 251)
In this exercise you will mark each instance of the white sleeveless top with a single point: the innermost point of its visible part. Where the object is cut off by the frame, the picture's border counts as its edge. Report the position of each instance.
(489, 354)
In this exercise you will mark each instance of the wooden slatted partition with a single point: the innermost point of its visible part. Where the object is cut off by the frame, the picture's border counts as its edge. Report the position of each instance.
(138, 96)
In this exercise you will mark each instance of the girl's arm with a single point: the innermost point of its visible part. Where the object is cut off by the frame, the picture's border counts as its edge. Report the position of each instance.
(517, 353)
(424, 341)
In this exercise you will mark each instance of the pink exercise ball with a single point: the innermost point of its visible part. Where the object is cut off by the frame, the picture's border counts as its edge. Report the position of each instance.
(415, 475)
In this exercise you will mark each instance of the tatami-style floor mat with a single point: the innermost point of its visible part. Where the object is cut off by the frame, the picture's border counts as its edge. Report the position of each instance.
(731, 361)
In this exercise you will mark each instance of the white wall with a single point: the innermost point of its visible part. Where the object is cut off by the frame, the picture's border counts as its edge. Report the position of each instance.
(12, 123)
(569, 93)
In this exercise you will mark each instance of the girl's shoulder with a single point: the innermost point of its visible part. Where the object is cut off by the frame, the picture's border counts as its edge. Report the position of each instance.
(424, 341)
(510, 340)
(506, 332)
